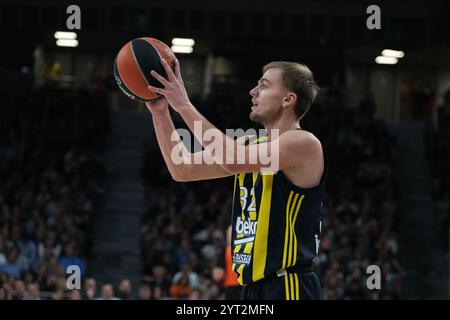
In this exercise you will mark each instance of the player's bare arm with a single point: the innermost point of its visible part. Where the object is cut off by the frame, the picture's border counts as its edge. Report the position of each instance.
(293, 148)
(165, 129)
(188, 170)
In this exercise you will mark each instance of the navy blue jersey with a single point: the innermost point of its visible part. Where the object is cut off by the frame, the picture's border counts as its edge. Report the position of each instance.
(276, 225)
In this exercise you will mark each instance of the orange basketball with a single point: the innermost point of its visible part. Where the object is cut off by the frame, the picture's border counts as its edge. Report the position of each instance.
(133, 65)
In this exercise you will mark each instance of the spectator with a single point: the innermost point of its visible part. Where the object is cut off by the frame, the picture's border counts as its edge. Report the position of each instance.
(181, 288)
(107, 293)
(125, 289)
(58, 294)
(5, 294)
(144, 292)
(90, 287)
(19, 290)
(192, 277)
(12, 265)
(32, 292)
(50, 174)
(75, 295)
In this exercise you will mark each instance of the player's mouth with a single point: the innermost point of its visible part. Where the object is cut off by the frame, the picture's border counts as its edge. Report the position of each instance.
(254, 106)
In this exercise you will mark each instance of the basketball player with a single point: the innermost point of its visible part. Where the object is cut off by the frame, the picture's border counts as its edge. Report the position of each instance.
(276, 217)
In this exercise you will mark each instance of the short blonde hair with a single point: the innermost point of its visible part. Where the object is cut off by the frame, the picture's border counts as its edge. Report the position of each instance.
(298, 78)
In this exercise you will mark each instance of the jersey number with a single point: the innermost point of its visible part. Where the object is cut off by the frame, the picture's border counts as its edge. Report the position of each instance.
(244, 195)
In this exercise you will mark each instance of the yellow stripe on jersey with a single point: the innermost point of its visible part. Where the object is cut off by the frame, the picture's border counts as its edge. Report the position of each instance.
(293, 229)
(286, 286)
(234, 189)
(260, 249)
(290, 236)
(257, 140)
(248, 247)
(240, 272)
(234, 195)
(297, 287)
(252, 207)
(255, 176)
(286, 233)
(241, 184)
(291, 287)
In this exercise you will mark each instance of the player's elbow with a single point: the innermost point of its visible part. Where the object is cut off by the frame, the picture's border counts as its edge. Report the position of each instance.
(176, 178)
(182, 175)
(179, 177)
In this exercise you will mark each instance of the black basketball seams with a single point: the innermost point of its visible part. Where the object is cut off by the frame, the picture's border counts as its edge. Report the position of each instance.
(147, 58)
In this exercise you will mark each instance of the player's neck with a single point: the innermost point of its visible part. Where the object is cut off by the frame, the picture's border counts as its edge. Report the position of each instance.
(282, 126)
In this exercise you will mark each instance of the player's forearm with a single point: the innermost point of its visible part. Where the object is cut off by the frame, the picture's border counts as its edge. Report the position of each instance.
(164, 129)
(199, 125)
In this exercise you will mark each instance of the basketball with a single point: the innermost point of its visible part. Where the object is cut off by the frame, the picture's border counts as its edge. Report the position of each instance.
(133, 64)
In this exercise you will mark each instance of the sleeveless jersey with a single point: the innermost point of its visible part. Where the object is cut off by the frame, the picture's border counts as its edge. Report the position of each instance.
(276, 224)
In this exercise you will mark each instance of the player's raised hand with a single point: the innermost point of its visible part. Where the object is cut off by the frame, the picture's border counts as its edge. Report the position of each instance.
(174, 90)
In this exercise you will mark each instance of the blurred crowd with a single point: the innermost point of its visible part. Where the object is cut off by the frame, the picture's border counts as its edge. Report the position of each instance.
(183, 240)
(439, 152)
(361, 210)
(50, 181)
(51, 173)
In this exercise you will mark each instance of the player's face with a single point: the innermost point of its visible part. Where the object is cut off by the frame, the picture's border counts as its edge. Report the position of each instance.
(267, 97)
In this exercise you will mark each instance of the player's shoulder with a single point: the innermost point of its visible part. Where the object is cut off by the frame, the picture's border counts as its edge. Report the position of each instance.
(304, 146)
(301, 136)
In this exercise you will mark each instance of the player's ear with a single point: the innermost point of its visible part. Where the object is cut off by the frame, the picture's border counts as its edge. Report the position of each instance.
(289, 99)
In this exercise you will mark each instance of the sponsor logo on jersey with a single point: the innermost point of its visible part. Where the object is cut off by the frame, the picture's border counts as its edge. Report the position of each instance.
(241, 258)
(248, 228)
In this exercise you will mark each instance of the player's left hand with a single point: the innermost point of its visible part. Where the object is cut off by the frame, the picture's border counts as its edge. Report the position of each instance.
(174, 89)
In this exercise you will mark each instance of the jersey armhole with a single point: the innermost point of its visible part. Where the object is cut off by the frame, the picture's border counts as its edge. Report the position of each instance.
(322, 178)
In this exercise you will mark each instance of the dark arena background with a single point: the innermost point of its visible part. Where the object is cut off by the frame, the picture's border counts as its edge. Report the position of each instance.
(83, 182)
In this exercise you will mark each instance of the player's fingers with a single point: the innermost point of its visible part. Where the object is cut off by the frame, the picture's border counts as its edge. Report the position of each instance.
(157, 90)
(177, 70)
(169, 71)
(159, 77)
